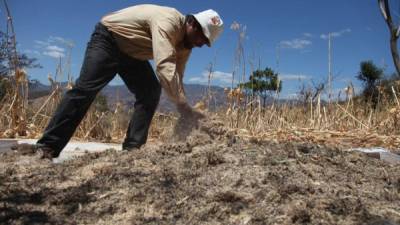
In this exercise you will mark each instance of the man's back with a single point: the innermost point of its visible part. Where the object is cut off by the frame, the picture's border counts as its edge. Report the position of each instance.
(134, 25)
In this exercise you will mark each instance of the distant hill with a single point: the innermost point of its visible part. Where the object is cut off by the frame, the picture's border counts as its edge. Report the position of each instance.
(37, 89)
(194, 93)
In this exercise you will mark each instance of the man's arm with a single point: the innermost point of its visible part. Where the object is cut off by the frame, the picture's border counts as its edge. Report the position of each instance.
(165, 58)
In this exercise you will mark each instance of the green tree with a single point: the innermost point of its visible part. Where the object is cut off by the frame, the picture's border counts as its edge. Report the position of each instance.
(100, 103)
(370, 75)
(387, 84)
(263, 83)
(5, 66)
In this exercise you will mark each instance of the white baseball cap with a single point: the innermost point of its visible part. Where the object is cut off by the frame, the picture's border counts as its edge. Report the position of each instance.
(211, 23)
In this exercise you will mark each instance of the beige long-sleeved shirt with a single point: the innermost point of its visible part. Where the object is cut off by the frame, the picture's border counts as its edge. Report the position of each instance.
(154, 32)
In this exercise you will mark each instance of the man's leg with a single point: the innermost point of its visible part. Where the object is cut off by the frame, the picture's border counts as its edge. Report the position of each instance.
(142, 81)
(99, 67)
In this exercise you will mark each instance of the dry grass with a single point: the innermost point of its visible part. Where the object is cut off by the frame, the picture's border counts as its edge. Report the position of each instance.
(312, 120)
(351, 122)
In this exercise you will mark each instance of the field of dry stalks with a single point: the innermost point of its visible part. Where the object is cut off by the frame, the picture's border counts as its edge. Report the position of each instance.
(349, 123)
(218, 175)
(246, 164)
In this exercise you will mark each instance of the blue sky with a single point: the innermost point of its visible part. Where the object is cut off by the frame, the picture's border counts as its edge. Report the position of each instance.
(44, 28)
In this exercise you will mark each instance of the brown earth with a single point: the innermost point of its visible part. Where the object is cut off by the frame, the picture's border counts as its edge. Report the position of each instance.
(213, 177)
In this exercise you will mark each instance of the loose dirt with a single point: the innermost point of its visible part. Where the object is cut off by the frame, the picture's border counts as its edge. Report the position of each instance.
(212, 177)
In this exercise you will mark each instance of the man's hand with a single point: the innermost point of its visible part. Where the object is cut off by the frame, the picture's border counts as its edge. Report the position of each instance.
(184, 108)
(187, 122)
(186, 111)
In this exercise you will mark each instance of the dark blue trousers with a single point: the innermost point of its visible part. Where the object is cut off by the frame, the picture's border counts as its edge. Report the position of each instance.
(103, 60)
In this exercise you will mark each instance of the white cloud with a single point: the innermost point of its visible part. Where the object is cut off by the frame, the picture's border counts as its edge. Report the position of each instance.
(56, 39)
(336, 34)
(54, 54)
(295, 43)
(60, 40)
(298, 43)
(33, 52)
(217, 77)
(55, 48)
(51, 47)
(54, 51)
(40, 44)
(294, 77)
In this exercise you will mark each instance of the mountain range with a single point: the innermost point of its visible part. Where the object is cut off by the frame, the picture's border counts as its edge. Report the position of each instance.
(114, 93)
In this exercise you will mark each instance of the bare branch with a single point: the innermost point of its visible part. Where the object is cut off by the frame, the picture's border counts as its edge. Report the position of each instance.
(382, 6)
(394, 32)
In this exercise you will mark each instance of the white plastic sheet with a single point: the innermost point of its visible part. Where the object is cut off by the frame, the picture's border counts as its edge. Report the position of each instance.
(73, 148)
(382, 154)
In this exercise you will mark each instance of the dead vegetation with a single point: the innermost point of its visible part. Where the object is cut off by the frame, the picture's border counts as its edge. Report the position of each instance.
(310, 118)
(214, 177)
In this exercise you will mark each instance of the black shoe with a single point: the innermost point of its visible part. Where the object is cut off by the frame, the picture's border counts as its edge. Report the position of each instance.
(45, 152)
(37, 150)
(130, 149)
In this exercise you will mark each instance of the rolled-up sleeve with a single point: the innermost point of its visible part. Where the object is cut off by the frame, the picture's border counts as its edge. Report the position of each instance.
(168, 65)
